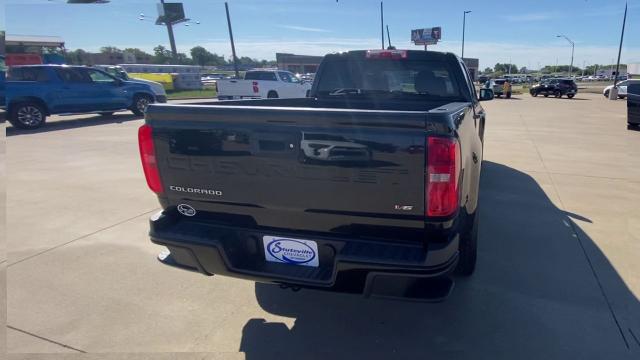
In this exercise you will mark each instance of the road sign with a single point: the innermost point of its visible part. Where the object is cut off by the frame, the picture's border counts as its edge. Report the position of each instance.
(427, 36)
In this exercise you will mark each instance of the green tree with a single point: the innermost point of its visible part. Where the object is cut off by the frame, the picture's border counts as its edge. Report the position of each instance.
(162, 55)
(201, 56)
(504, 68)
(139, 54)
(110, 50)
(183, 59)
(75, 57)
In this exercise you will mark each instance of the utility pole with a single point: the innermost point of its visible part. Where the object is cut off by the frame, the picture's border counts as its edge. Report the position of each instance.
(464, 23)
(233, 46)
(172, 40)
(615, 77)
(382, 24)
(572, 48)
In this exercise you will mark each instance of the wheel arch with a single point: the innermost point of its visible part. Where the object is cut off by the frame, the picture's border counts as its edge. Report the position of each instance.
(24, 99)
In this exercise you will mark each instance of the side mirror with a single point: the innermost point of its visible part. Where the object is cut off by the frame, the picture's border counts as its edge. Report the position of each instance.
(486, 94)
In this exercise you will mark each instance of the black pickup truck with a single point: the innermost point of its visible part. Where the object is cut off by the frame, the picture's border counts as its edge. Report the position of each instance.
(633, 104)
(370, 182)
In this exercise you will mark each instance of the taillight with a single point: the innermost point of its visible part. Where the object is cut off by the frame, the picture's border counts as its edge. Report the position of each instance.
(149, 160)
(255, 87)
(443, 171)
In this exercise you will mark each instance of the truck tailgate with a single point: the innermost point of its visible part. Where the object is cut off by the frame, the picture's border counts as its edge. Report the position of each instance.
(358, 172)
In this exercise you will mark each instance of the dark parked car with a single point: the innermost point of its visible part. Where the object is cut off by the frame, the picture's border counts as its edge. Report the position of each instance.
(368, 185)
(36, 91)
(555, 87)
(633, 104)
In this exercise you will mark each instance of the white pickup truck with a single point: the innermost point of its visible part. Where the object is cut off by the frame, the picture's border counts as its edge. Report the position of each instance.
(260, 84)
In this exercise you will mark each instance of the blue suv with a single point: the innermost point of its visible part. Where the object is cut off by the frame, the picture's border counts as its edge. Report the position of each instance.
(35, 91)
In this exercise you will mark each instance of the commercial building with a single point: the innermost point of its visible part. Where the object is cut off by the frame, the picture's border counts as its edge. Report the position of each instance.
(474, 67)
(299, 64)
(35, 44)
(33, 49)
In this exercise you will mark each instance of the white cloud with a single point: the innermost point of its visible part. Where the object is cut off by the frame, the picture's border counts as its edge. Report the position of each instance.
(304, 28)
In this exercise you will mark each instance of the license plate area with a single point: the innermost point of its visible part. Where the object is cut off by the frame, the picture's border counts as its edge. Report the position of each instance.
(290, 251)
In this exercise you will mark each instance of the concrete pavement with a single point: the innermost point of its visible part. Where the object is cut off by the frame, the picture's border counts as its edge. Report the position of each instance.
(557, 275)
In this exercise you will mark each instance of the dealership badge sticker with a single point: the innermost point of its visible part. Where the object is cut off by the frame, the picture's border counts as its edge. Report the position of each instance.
(290, 251)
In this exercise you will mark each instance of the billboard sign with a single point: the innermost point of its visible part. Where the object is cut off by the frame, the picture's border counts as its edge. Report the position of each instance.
(427, 36)
(171, 13)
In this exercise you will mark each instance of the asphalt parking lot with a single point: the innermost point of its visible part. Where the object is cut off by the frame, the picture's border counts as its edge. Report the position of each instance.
(558, 273)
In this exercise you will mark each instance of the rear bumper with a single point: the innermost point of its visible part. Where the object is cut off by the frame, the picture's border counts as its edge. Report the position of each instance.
(344, 264)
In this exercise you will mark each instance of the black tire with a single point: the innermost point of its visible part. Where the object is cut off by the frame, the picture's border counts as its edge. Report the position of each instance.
(557, 94)
(606, 94)
(546, 94)
(140, 103)
(272, 95)
(27, 115)
(534, 93)
(621, 96)
(570, 96)
(106, 113)
(468, 248)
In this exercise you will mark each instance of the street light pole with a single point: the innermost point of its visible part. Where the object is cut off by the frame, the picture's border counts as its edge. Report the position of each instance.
(572, 49)
(624, 21)
(464, 23)
(382, 24)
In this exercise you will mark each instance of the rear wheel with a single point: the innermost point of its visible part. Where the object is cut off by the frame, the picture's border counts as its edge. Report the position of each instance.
(468, 248)
(534, 93)
(570, 96)
(272, 95)
(546, 94)
(557, 94)
(140, 104)
(27, 115)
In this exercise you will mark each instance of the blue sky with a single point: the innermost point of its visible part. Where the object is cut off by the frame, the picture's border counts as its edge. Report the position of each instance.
(497, 31)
